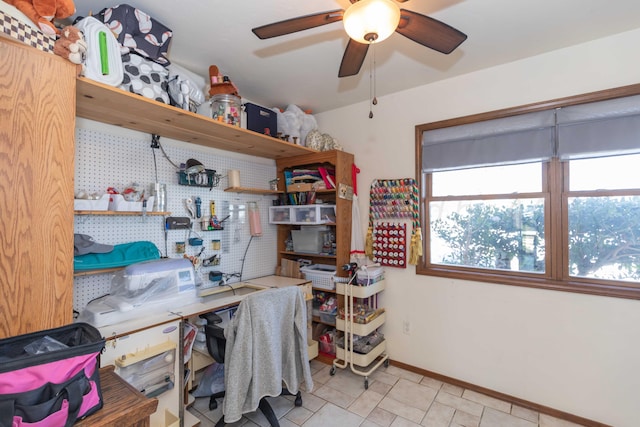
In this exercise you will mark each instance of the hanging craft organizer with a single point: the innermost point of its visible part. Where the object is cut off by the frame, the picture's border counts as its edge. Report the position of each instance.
(208, 178)
(393, 199)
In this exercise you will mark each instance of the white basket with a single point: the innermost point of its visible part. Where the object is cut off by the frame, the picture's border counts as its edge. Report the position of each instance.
(118, 203)
(321, 275)
(102, 204)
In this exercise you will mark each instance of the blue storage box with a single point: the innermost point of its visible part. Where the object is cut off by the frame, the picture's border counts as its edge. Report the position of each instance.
(259, 119)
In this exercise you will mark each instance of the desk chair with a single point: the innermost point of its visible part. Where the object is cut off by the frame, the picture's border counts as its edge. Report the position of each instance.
(215, 346)
(264, 346)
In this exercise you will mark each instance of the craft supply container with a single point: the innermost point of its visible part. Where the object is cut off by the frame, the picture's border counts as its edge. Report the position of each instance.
(226, 108)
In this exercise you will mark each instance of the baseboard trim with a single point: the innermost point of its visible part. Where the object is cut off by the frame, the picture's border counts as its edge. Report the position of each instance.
(514, 400)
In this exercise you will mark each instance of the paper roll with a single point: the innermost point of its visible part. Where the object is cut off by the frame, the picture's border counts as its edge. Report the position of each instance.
(234, 178)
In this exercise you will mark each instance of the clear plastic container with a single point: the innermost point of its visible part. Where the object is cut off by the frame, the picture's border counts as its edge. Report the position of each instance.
(226, 109)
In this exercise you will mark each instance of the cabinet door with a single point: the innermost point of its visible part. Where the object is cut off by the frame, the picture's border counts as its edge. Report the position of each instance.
(37, 126)
(143, 349)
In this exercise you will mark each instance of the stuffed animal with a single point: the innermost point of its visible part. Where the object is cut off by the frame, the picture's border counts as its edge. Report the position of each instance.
(71, 45)
(43, 12)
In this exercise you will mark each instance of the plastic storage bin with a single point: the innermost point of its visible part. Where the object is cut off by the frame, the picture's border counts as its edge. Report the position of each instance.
(321, 275)
(314, 214)
(308, 240)
(101, 204)
(328, 317)
(279, 215)
(302, 214)
(261, 119)
(118, 203)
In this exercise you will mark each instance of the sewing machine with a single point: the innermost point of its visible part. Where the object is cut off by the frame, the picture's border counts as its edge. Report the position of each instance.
(141, 288)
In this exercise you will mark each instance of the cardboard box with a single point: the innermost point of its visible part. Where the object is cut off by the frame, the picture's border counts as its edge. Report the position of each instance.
(299, 187)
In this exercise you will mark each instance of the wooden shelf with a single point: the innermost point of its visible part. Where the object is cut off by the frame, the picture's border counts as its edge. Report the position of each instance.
(121, 213)
(331, 291)
(325, 358)
(251, 190)
(98, 271)
(307, 255)
(106, 104)
(317, 319)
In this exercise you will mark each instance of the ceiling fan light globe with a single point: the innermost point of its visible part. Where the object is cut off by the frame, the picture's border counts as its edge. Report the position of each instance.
(365, 17)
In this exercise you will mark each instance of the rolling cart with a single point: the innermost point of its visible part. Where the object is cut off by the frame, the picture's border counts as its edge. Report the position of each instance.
(360, 328)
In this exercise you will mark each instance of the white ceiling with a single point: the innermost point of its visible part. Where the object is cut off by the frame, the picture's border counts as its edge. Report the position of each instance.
(302, 68)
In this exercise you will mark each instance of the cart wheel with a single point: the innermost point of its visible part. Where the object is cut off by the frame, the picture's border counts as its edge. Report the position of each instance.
(386, 363)
(332, 372)
(366, 384)
(298, 401)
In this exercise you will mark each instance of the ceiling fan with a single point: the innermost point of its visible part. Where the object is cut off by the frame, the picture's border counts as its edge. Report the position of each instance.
(371, 21)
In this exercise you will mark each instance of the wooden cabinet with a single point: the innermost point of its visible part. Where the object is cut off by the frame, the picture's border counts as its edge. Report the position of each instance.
(341, 162)
(37, 125)
(123, 405)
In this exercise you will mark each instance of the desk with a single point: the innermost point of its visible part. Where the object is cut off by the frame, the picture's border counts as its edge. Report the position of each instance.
(123, 405)
(150, 329)
(225, 298)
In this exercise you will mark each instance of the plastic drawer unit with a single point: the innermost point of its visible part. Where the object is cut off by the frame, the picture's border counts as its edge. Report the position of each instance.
(302, 214)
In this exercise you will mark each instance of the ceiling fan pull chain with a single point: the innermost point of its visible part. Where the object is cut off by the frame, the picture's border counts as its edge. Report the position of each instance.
(371, 87)
(375, 99)
(372, 82)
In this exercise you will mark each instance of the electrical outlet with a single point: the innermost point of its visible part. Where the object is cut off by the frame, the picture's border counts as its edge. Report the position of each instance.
(406, 327)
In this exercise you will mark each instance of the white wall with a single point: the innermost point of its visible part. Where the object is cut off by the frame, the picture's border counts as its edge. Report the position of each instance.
(575, 353)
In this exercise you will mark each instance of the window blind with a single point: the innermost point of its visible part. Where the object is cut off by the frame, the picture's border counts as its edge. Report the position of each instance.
(580, 131)
(599, 128)
(510, 140)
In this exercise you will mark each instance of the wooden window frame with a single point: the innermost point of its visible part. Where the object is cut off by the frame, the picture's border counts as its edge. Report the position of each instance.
(555, 173)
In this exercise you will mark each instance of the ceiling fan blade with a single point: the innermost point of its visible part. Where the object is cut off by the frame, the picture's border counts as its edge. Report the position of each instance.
(429, 32)
(353, 58)
(301, 23)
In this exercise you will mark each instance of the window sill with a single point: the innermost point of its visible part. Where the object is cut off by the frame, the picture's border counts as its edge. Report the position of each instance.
(593, 287)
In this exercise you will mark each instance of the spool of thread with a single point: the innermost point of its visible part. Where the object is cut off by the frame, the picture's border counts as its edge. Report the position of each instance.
(234, 178)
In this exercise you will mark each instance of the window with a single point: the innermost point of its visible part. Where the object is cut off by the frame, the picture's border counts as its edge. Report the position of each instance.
(488, 223)
(604, 218)
(536, 196)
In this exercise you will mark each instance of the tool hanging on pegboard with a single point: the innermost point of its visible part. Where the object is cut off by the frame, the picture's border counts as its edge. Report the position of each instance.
(394, 199)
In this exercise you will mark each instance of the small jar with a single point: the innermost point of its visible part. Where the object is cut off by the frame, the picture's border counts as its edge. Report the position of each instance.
(226, 108)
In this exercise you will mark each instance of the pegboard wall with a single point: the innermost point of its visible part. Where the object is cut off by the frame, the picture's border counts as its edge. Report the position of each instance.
(104, 160)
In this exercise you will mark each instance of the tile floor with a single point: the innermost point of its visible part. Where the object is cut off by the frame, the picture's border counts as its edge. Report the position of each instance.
(395, 398)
